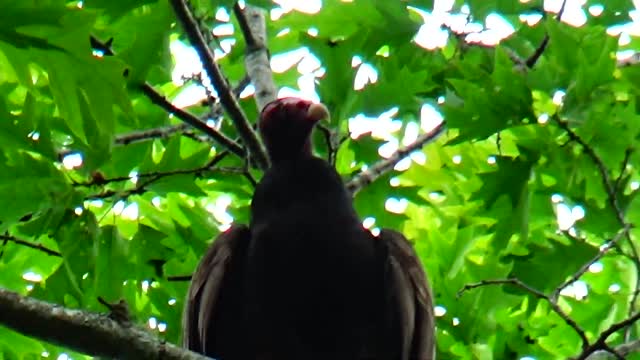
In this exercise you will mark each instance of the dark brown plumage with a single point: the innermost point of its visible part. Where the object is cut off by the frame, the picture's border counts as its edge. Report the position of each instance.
(305, 280)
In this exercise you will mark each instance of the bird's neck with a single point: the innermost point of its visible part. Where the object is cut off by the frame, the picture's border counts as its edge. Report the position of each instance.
(303, 182)
(281, 151)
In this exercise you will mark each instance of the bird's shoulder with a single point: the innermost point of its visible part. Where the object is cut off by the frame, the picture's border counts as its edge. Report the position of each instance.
(207, 285)
(226, 246)
(405, 259)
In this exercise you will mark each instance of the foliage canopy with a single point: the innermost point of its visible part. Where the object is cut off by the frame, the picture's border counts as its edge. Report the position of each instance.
(106, 194)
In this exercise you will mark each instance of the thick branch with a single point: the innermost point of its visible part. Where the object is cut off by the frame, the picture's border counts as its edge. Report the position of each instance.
(254, 29)
(85, 332)
(227, 99)
(368, 176)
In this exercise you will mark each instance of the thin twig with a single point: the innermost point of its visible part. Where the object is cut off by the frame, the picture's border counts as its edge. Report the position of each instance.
(159, 174)
(623, 169)
(603, 250)
(188, 118)
(192, 120)
(227, 99)
(150, 134)
(153, 177)
(179, 278)
(368, 176)
(601, 342)
(554, 306)
(602, 169)
(533, 59)
(29, 244)
(561, 11)
(612, 196)
(333, 145)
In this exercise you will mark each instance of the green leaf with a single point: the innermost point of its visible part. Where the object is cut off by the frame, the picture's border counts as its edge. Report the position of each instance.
(509, 179)
(553, 255)
(147, 45)
(41, 185)
(112, 266)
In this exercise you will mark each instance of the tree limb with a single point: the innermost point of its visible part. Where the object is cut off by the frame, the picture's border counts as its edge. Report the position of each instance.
(227, 99)
(368, 176)
(628, 348)
(533, 59)
(607, 355)
(153, 177)
(158, 133)
(623, 170)
(603, 250)
(609, 187)
(253, 26)
(601, 342)
(192, 120)
(29, 244)
(89, 333)
(537, 293)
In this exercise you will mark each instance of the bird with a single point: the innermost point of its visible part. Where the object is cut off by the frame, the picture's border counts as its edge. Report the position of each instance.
(305, 279)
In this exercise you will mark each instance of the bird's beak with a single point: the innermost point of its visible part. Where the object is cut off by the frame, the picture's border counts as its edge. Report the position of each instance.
(317, 112)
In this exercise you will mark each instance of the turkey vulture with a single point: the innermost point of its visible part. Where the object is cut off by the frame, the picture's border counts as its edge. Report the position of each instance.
(305, 280)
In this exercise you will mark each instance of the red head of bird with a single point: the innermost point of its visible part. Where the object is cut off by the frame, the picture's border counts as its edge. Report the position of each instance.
(286, 126)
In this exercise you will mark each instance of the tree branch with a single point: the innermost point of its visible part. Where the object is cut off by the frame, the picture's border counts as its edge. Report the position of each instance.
(537, 293)
(621, 351)
(184, 128)
(610, 189)
(192, 120)
(368, 176)
(623, 169)
(89, 333)
(220, 83)
(253, 26)
(601, 342)
(152, 177)
(603, 250)
(628, 348)
(533, 59)
(143, 135)
(29, 244)
(179, 278)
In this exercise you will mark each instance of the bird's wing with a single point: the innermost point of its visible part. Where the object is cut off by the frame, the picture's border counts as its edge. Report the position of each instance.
(207, 284)
(413, 296)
